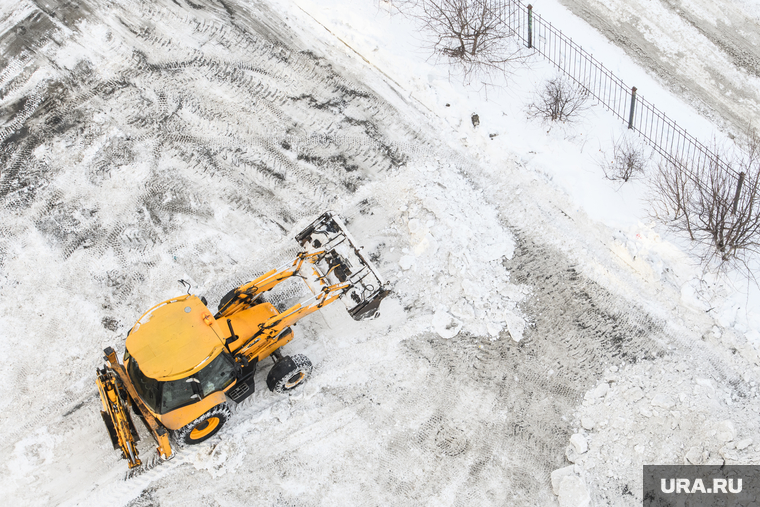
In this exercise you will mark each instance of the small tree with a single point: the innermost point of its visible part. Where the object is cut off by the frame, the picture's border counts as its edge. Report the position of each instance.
(629, 158)
(705, 200)
(470, 33)
(560, 100)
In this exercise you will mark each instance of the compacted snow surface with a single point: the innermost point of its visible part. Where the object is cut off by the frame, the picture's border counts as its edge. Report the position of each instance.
(544, 337)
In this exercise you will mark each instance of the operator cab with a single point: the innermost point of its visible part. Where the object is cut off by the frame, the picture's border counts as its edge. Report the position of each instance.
(164, 396)
(175, 355)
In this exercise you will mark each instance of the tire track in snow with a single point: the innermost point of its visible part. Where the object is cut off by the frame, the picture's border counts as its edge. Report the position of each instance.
(67, 116)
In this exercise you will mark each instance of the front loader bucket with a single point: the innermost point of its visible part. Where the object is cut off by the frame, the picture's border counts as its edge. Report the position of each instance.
(340, 260)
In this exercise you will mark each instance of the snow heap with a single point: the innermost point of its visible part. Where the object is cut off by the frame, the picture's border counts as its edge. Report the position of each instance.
(708, 417)
(456, 239)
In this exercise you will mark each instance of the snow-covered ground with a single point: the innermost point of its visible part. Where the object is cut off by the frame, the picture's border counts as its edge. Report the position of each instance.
(708, 52)
(538, 315)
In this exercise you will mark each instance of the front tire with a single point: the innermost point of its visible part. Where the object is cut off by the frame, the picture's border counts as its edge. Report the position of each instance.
(289, 373)
(205, 427)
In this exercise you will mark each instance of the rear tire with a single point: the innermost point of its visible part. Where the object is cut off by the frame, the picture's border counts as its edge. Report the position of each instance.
(227, 297)
(205, 427)
(230, 295)
(289, 373)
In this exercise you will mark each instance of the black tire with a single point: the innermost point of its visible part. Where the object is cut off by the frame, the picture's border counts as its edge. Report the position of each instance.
(227, 297)
(289, 373)
(205, 427)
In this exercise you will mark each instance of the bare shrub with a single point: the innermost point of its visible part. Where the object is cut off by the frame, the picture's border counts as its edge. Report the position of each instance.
(561, 99)
(469, 33)
(630, 157)
(702, 200)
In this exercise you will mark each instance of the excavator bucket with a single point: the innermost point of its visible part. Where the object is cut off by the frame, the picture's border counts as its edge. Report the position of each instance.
(338, 260)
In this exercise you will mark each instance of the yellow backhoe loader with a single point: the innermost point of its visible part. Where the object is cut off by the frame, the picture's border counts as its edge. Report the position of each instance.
(182, 364)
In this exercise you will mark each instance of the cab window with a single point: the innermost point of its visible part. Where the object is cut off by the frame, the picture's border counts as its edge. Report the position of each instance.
(217, 375)
(163, 397)
(146, 387)
(176, 393)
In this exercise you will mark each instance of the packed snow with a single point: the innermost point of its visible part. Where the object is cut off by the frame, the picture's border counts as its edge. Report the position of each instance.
(544, 339)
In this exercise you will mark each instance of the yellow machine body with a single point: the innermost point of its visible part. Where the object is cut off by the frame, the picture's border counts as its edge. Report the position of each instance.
(175, 338)
(178, 338)
(182, 361)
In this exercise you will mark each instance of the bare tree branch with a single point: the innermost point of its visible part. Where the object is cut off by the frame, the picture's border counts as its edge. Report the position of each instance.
(561, 99)
(699, 198)
(469, 33)
(629, 159)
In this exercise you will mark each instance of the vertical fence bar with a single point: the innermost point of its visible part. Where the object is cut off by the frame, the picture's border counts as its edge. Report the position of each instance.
(633, 107)
(607, 89)
(586, 79)
(598, 84)
(738, 192)
(689, 149)
(574, 60)
(552, 43)
(661, 128)
(530, 26)
(698, 157)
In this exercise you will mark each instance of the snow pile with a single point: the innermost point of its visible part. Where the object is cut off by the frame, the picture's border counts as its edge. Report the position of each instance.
(622, 420)
(457, 242)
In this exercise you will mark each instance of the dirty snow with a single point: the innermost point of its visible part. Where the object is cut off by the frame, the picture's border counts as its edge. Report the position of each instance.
(544, 339)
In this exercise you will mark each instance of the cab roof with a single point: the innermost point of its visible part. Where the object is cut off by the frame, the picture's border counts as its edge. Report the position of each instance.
(172, 340)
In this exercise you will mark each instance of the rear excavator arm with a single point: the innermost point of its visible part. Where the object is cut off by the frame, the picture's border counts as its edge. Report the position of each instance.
(116, 391)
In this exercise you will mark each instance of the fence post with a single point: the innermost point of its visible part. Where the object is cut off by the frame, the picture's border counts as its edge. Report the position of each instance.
(530, 26)
(738, 191)
(633, 106)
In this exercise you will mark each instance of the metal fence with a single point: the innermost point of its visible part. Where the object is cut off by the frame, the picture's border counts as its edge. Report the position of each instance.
(662, 133)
